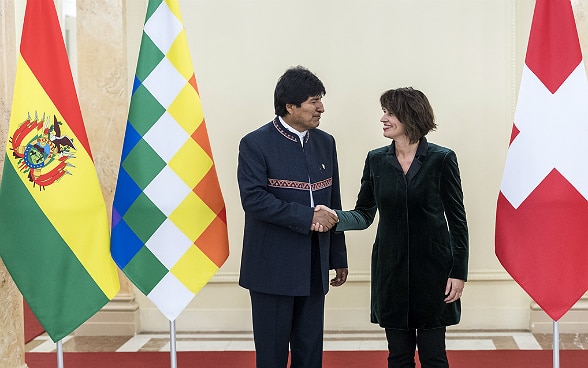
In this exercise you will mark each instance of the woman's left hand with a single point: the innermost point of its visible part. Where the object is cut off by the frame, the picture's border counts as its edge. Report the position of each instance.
(453, 289)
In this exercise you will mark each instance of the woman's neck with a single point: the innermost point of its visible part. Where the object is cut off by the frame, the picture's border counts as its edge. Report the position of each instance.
(405, 149)
(405, 152)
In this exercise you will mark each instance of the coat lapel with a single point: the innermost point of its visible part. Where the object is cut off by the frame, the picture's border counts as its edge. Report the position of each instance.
(420, 155)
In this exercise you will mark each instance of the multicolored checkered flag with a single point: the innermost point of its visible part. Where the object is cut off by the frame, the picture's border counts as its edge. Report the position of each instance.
(169, 230)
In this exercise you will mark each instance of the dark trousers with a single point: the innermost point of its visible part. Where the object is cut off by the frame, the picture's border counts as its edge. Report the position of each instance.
(295, 323)
(403, 343)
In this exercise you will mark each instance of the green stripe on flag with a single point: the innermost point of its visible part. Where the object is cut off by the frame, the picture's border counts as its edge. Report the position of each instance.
(145, 270)
(143, 164)
(144, 217)
(65, 295)
(144, 110)
(152, 7)
(149, 57)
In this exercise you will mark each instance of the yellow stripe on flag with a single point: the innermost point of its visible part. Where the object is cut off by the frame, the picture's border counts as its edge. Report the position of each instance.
(194, 279)
(174, 7)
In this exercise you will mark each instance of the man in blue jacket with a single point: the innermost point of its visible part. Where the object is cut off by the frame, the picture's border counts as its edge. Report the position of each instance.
(286, 168)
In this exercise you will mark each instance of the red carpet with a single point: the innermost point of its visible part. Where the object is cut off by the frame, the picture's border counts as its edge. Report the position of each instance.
(332, 359)
(32, 327)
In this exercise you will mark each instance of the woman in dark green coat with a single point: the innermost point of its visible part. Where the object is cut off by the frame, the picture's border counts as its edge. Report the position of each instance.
(420, 254)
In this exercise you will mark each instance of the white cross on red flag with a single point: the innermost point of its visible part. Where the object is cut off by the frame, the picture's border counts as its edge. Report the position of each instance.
(542, 207)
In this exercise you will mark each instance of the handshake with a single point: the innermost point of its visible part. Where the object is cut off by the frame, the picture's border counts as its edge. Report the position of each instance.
(324, 219)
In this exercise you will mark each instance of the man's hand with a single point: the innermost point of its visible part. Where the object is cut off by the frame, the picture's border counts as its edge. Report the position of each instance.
(324, 219)
(340, 278)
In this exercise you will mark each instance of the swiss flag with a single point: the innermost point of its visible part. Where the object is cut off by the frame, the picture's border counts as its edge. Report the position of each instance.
(542, 208)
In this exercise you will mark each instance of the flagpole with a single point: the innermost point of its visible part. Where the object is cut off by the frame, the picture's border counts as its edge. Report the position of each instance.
(59, 354)
(555, 344)
(172, 344)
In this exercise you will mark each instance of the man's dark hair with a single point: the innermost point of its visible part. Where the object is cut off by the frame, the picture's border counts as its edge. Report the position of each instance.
(294, 87)
(412, 108)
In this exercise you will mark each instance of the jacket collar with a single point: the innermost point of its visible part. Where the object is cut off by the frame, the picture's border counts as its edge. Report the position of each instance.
(421, 149)
(420, 154)
(287, 134)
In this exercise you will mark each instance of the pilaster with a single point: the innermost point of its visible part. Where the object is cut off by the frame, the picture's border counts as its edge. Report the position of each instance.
(11, 312)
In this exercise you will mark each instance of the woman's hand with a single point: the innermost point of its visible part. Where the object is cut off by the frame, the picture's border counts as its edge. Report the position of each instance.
(453, 289)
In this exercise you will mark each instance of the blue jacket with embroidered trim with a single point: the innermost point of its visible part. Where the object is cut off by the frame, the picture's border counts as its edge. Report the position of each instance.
(274, 174)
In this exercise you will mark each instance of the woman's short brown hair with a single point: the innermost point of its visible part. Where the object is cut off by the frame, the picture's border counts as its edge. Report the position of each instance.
(412, 108)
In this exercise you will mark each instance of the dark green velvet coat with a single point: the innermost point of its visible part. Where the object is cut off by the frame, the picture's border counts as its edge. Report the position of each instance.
(422, 235)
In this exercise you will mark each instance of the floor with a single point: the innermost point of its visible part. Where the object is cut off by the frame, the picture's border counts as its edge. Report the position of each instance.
(368, 340)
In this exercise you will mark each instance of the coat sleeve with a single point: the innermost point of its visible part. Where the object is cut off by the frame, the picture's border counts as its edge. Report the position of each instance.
(338, 247)
(257, 201)
(362, 216)
(452, 197)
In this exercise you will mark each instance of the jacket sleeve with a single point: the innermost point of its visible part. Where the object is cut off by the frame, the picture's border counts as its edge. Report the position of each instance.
(452, 197)
(363, 215)
(338, 247)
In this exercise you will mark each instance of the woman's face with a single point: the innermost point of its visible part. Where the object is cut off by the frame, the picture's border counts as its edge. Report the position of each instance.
(393, 128)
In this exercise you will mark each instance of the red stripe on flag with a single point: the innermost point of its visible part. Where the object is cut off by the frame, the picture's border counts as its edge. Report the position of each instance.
(55, 76)
(553, 30)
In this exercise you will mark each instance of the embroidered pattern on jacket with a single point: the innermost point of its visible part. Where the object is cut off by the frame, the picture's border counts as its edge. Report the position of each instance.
(287, 134)
(281, 183)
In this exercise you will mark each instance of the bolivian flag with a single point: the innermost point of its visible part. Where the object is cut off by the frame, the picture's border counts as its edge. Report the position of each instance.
(169, 227)
(53, 222)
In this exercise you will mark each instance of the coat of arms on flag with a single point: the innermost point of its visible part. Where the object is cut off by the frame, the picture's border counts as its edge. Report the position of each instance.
(42, 152)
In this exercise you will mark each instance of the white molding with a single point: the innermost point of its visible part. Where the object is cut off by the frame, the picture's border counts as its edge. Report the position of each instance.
(364, 276)
(129, 314)
(574, 321)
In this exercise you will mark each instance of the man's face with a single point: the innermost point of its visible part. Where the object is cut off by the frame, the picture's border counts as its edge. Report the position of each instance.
(307, 116)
